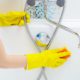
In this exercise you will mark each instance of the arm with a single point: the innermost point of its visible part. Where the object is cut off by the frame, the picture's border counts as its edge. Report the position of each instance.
(48, 58)
(11, 61)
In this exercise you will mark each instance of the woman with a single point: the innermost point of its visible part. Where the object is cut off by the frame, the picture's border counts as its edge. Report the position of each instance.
(48, 58)
(10, 60)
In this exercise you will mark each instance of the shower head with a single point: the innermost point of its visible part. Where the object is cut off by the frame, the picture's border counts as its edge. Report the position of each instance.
(60, 3)
(31, 2)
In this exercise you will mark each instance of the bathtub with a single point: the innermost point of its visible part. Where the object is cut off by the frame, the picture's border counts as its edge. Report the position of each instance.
(17, 41)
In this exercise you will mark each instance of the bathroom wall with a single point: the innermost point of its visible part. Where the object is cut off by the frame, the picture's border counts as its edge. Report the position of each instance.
(10, 5)
(17, 41)
(72, 9)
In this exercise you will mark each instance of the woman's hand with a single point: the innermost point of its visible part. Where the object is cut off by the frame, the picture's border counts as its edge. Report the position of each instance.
(11, 61)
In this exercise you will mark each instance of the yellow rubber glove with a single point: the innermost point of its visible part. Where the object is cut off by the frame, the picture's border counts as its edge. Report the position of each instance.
(14, 18)
(47, 58)
(56, 58)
